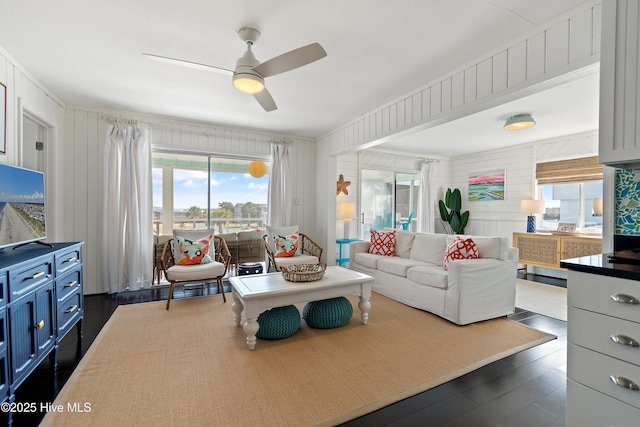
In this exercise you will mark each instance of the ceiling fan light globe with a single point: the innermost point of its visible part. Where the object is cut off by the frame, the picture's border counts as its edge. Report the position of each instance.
(248, 83)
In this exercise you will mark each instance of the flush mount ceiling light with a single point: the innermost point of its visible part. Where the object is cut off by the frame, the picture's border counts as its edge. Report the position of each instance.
(520, 121)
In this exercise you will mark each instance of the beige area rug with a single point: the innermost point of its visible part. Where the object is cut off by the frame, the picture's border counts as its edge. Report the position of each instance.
(190, 366)
(547, 300)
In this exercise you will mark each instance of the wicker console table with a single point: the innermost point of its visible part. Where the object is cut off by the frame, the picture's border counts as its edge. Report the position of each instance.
(546, 249)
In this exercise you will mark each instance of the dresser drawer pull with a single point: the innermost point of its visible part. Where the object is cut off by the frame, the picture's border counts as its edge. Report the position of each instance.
(625, 299)
(72, 259)
(75, 282)
(35, 276)
(624, 340)
(624, 382)
(71, 309)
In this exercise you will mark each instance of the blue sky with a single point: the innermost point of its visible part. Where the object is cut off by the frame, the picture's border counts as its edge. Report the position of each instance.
(21, 185)
(190, 188)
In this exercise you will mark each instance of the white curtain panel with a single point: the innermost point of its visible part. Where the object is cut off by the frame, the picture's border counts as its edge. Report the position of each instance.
(425, 216)
(280, 197)
(128, 225)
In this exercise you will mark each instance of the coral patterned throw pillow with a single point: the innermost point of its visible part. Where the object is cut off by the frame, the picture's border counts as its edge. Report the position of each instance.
(194, 251)
(286, 246)
(382, 242)
(460, 248)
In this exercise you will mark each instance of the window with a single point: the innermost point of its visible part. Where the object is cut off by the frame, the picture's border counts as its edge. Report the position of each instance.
(569, 188)
(571, 203)
(199, 191)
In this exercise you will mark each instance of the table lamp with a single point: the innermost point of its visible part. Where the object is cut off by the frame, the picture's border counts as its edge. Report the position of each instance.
(347, 211)
(597, 208)
(532, 207)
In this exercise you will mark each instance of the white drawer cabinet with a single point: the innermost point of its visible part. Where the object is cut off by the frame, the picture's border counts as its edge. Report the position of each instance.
(604, 334)
(602, 307)
(594, 293)
(592, 408)
(595, 370)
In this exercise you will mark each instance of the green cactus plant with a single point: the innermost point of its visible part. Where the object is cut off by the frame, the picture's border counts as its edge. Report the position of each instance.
(450, 211)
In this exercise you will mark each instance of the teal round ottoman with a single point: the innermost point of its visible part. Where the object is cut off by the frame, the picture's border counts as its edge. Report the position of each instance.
(278, 323)
(328, 313)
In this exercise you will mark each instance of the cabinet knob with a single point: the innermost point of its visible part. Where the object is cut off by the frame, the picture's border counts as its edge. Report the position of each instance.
(623, 382)
(625, 299)
(624, 340)
(40, 325)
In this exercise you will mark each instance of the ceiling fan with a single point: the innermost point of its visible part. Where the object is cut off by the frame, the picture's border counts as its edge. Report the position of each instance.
(249, 74)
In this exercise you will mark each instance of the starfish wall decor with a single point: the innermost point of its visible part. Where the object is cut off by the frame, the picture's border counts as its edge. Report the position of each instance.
(341, 186)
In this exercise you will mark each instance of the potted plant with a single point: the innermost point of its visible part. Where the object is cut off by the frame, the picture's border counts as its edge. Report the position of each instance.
(450, 212)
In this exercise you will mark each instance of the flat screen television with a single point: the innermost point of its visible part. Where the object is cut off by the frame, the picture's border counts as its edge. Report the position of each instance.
(22, 206)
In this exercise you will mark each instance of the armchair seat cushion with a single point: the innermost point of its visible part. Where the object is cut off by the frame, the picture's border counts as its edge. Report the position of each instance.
(298, 259)
(195, 272)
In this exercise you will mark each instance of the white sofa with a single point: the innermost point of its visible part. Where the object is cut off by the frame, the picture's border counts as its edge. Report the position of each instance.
(470, 290)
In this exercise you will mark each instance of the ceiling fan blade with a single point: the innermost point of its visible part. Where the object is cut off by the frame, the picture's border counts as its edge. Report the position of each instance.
(291, 60)
(189, 64)
(265, 99)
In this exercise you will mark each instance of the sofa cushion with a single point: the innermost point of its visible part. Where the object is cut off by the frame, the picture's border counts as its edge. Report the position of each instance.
(229, 237)
(429, 247)
(366, 259)
(434, 276)
(382, 242)
(404, 242)
(398, 266)
(460, 248)
(250, 235)
(495, 247)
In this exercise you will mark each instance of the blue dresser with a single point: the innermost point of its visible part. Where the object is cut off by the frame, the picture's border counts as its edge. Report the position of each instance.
(41, 300)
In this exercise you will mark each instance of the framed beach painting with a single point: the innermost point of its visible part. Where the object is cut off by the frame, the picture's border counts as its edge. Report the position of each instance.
(3, 119)
(487, 185)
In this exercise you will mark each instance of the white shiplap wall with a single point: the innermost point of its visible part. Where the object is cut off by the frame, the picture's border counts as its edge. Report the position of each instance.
(26, 94)
(527, 64)
(84, 147)
(503, 217)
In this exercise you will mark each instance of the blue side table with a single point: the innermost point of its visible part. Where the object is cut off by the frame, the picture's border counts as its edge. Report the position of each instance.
(341, 243)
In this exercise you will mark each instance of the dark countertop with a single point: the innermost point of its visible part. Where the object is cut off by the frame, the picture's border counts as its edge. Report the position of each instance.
(599, 264)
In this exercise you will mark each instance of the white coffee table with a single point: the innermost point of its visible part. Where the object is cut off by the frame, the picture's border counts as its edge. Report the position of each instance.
(260, 292)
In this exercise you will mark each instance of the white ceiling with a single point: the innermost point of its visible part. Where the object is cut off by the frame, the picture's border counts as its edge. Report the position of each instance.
(89, 54)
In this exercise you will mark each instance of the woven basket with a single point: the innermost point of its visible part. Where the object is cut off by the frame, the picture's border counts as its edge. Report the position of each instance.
(303, 272)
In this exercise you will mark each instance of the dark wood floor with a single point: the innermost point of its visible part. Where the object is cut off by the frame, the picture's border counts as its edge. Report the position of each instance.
(526, 389)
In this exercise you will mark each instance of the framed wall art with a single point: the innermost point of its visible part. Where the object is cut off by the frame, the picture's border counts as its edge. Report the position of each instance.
(487, 185)
(3, 119)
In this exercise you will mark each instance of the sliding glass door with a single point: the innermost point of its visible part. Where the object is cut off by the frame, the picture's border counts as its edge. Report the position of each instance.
(388, 200)
(194, 191)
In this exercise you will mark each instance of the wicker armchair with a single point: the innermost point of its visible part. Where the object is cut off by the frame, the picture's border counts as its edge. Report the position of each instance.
(199, 273)
(311, 253)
